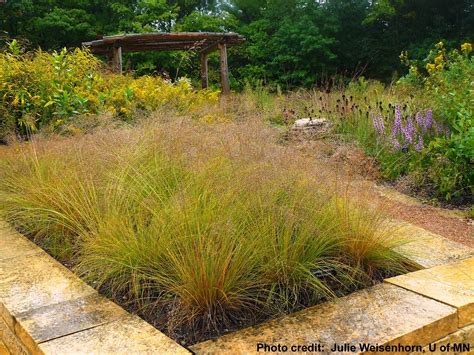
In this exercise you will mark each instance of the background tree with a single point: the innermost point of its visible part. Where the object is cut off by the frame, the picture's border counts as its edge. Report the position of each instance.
(289, 42)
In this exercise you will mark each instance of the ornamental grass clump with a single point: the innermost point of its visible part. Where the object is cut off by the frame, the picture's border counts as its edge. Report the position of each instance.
(203, 227)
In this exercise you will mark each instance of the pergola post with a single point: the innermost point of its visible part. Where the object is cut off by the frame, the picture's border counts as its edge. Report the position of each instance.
(204, 71)
(116, 59)
(225, 86)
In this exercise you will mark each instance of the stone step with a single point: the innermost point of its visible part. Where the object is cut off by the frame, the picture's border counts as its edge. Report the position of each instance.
(452, 284)
(428, 249)
(128, 335)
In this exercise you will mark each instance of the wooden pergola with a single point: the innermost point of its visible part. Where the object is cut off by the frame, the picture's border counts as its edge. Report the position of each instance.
(203, 42)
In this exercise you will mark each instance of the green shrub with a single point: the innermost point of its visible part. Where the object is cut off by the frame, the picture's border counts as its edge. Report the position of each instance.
(448, 83)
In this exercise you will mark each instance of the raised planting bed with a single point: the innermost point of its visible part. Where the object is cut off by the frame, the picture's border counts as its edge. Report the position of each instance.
(59, 314)
(431, 305)
(45, 308)
(70, 305)
(195, 236)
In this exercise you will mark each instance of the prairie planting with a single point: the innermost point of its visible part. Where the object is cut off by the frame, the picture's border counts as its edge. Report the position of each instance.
(321, 129)
(206, 214)
(418, 129)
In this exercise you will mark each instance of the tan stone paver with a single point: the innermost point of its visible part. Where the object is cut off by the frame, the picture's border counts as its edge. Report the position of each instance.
(452, 284)
(428, 249)
(13, 244)
(34, 281)
(60, 319)
(129, 335)
(384, 314)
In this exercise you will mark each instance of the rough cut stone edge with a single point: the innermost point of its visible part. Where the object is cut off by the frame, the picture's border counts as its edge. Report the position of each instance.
(12, 343)
(462, 336)
(450, 252)
(445, 284)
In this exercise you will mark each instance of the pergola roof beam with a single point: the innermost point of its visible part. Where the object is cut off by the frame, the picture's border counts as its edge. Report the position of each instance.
(204, 42)
(164, 41)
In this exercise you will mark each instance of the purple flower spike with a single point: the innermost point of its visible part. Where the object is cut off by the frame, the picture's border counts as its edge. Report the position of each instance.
(381, 124)
(397, 125)
(409, 131)
(429, 119)
(375, 122)
(420, 120)
(419, 145)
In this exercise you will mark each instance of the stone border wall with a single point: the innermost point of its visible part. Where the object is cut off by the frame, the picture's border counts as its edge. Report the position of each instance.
(46, 309)
(430, 306)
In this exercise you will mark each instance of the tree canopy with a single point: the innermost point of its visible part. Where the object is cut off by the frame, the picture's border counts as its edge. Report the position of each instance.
(289, 42)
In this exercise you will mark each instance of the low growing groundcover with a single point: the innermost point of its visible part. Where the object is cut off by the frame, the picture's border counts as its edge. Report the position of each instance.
(200, 229)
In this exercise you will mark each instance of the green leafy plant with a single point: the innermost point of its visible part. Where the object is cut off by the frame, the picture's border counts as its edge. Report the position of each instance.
(448, 82)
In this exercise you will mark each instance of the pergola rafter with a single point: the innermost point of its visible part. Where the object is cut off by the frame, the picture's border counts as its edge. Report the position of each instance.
(203, 42)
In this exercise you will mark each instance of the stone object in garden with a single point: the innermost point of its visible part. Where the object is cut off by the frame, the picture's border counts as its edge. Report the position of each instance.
(312, 125)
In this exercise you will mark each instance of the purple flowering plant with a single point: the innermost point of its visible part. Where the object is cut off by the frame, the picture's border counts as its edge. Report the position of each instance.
(407, 132)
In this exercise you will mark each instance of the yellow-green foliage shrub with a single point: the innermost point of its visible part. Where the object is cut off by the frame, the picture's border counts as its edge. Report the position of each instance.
(47, 89)
(446, 80)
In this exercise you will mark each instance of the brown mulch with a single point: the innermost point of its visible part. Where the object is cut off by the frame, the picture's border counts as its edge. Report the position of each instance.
(433, 219)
